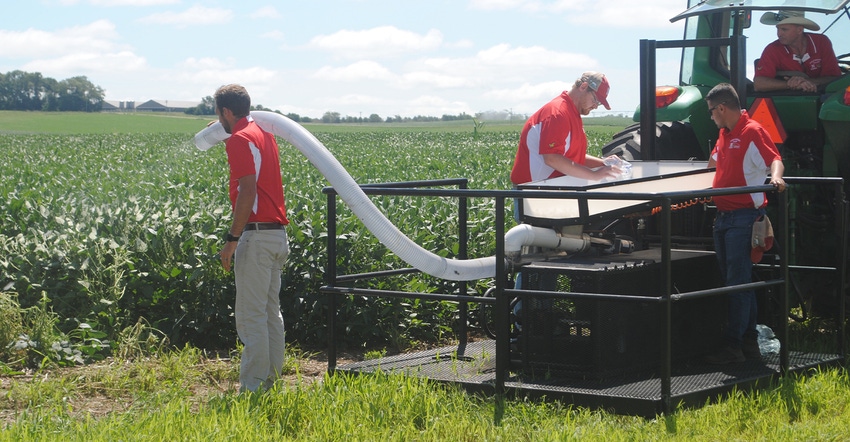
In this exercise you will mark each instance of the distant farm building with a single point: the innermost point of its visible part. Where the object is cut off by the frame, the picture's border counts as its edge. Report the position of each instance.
(166, 106)
(117, 106)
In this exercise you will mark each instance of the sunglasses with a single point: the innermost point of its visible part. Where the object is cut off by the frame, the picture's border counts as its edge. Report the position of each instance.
(778, 16)
(711, 109)
(596, 101)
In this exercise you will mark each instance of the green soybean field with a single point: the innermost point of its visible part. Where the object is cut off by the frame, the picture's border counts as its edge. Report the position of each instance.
(105, 230)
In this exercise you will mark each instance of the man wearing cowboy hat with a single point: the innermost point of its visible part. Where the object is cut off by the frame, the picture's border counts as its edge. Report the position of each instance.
(797, 60)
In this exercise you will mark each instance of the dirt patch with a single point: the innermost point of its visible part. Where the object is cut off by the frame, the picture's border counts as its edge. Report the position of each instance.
(91, 393)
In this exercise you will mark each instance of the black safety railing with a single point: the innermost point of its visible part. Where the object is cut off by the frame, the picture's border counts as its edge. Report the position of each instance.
(648, 49)
(664, 301)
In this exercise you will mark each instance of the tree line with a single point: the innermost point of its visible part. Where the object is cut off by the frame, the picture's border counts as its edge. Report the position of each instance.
(30, 91)
(335, 117)
(207, 107)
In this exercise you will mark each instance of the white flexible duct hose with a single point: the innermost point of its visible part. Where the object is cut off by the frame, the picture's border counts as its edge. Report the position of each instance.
(528, 235)
(350, 192)
(357, 201)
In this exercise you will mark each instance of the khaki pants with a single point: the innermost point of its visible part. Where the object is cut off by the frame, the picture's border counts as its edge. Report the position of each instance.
(259, 259)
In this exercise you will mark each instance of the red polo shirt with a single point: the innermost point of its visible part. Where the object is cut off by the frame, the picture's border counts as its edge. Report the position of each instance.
(818, 61)
(554, 129)
(743, 156)
(252, 151)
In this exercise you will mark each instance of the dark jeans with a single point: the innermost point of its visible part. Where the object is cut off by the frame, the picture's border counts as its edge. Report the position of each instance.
(732, 245)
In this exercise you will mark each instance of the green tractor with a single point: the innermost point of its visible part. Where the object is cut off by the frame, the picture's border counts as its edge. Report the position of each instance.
(813, 128)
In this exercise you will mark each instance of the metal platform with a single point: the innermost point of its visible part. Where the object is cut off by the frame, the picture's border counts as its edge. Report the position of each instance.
(693, 382)
(622, 333)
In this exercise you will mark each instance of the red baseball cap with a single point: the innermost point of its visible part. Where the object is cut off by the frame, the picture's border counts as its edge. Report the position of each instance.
(598, 84)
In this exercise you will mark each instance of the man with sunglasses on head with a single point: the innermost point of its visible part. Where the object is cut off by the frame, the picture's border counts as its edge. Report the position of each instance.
(797, 60)
(744, 155)
(553, 142)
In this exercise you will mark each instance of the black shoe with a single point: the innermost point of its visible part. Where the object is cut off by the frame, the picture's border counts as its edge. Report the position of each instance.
(726, 355)
(750, 349)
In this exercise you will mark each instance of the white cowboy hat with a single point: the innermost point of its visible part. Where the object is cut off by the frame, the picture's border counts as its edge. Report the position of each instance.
(788, 18)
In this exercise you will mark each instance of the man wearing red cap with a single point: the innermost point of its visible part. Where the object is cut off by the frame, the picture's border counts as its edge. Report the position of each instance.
(553, 142)
(743, 156)
(797, 60)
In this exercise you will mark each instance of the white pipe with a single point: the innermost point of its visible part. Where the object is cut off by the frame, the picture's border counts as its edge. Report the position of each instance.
(350, 192)
(528, 235)
(357, 201)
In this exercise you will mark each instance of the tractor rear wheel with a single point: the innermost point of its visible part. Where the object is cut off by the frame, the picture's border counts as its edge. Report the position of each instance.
(674, 141)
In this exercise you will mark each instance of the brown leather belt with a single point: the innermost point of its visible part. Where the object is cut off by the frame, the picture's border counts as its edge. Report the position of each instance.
(263, 226)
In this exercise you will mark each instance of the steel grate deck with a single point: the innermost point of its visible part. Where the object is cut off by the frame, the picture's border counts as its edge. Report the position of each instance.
(692, 382)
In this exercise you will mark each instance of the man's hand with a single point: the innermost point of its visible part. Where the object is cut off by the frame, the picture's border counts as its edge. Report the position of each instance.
(227, 253)
(802, 84)
(778, 183)
(607, 172)
(777, 170)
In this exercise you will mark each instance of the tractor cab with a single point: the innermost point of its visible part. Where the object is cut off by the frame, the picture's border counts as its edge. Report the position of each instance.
(722, 43)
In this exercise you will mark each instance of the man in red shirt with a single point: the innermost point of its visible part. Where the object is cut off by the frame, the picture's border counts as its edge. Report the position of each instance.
(553, 142)
(256, 238)
(797, 60)
(743, 155)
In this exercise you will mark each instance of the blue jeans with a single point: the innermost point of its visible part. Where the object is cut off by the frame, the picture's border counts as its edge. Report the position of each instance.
(732, 244)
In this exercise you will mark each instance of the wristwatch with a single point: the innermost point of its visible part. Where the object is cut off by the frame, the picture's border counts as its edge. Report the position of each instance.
(231, 238)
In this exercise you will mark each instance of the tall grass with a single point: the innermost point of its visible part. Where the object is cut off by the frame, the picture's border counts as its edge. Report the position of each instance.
(183, 396)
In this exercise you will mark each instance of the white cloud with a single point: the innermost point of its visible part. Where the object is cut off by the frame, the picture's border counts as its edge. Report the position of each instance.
(194, 16)
(461, 44)
(504, 63)
(35, 43)
(491, 66)
(533, 56)
(496, 4)
(217, 77)
(205, 75)
(273, 35)
(436, 106)
(534, 6)
(132, 2)
(358, 99)
(265, 12)
(380, 41)
(441, 81)
(361, 70)
(205, 63)
(628, 14)
(602, 13)
(535, 92)
(89, 62)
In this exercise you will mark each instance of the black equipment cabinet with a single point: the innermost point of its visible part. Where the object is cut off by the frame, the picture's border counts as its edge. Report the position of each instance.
(584, 329)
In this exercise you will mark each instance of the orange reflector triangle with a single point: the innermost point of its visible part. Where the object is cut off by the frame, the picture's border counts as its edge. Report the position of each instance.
(764, 111)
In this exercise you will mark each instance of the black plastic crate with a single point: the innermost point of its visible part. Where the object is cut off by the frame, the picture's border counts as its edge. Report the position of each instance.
(600, 337)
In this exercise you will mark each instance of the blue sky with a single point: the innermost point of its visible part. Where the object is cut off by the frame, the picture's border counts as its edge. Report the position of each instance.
(355, 57)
